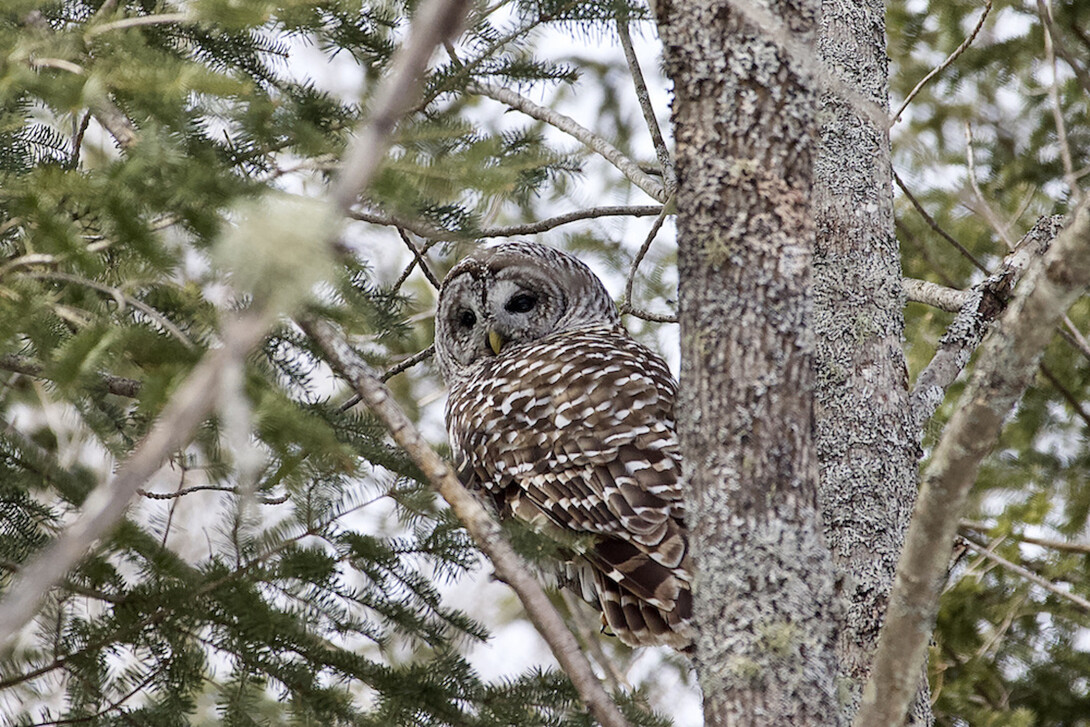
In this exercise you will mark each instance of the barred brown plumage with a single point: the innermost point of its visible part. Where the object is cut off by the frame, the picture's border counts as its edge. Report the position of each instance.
(567, 422)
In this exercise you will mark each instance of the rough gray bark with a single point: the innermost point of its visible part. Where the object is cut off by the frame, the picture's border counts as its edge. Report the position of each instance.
(744, 122)
(867, 444)
(1005, 367)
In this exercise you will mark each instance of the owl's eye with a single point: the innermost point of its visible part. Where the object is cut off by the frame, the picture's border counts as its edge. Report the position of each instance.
(521, 303)
(466, 319)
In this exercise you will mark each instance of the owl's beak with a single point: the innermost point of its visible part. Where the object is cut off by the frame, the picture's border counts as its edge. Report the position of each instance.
(495, 342)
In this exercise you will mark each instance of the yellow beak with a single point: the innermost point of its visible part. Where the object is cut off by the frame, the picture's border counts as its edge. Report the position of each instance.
(495, 342)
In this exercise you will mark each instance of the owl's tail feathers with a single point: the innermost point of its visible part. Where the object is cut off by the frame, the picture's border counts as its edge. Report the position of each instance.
(643, 602)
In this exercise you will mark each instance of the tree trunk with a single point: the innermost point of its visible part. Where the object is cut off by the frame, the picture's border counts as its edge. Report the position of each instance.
(867, 446)
(745, 131)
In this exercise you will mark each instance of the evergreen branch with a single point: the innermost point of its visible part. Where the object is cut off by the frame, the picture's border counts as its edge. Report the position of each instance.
(194, 400)
(1081, 603)
(934, 295)
(117, 385)
(122, 299)
(630, 169)
(485, 531)
(644, 99)
(944, 65)
(935, 226)
(435, 21)
(1006, 365)
(982, 304)
(1061, 545)
(135, 22)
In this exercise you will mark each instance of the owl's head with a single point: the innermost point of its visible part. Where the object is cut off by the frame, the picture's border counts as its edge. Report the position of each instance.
(512, 293)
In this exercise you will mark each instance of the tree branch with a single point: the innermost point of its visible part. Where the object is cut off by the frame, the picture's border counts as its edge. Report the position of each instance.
(569, 126)
(114, 384)
(1078, 601)
(935, 295)
(982, 305)
(530, 228)
(1007, 362)
(644, 98)
(484, 530)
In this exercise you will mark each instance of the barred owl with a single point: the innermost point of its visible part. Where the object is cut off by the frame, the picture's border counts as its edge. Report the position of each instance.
(567, 423)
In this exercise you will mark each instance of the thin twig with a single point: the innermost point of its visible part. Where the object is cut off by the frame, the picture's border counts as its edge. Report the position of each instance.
(418, 257)
(278, 500)
(1001, 229)
(1061, 545)
(644, 99)
(1081, 603)
(391, 372)
(626, 304)
(1080, 73)
(435, 234)
(484, 530)
(1072, 400)
(935, 226)
(945, 64)
(1045, 10)
(630, 169)
(1005, 367)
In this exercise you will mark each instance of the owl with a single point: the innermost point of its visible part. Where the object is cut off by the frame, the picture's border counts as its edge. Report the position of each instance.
(563, 421)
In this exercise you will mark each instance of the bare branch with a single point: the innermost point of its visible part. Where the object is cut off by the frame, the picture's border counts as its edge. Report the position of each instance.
(981, 306)
(595, 143)
(945, 64)
(1006, 365)
(1080, 73)
(279, 500)
(626, 304)
(134, 22)
(531, 228)
(193, 401)
(418, 258)
(114, 384)
(935, 295)
(644, 99)
(484, 530)
(1057, 109)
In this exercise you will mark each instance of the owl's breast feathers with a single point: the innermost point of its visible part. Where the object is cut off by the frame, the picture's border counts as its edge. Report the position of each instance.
(576, 430)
